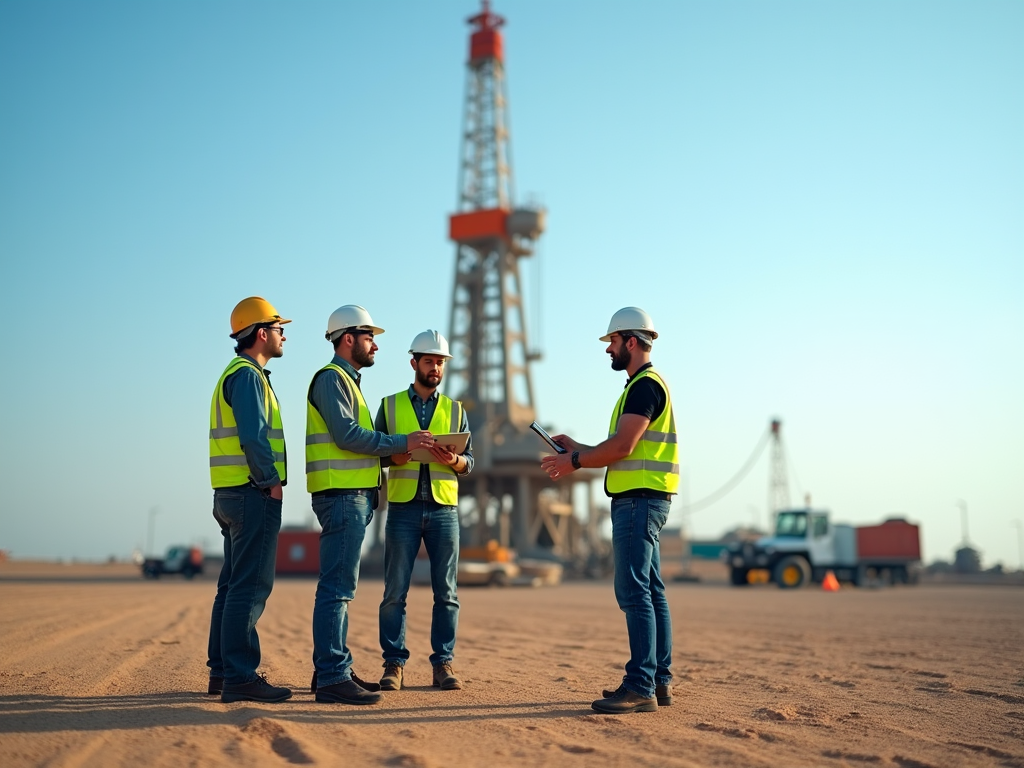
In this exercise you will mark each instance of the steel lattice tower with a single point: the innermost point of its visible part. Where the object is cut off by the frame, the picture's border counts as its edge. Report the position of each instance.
(490, 369)
(778, 485)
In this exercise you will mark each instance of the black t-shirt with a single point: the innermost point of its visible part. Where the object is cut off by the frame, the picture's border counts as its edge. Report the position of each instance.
(646, 398)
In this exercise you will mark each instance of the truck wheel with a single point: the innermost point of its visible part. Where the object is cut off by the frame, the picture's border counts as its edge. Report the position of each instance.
(792, 572)
(189, 572)
(738, 577)
(499, 579)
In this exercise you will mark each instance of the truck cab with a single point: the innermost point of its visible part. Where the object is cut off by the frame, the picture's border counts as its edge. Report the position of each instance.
(803, 548)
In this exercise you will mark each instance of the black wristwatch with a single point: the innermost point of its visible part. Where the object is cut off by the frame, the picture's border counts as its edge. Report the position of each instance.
(576, 460)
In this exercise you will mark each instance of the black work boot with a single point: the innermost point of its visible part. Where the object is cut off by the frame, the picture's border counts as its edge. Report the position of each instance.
(444, 677)
(348, 692)
(392, 678)
(623, 702)
(361, 683)
(257, 690)
(662, 692)
(216, 686)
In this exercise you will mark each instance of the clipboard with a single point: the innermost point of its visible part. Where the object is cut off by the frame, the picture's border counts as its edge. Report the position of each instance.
(542, 433)
(458, 439)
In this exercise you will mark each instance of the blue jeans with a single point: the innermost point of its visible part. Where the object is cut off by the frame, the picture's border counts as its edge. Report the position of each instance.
(344, 520)
(438, 527)
(640, 592)
(249, 522)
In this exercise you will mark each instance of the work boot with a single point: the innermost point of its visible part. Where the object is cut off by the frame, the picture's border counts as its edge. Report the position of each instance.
(662, 692)
(216, 686)
(361, 683)
(348, 692)
(392, 678)
(625, 702)
(444, 676)
(258, 690)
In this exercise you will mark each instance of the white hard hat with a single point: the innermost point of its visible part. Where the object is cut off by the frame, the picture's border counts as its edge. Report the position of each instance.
(631, 319)
(350, 316)
(430, 343)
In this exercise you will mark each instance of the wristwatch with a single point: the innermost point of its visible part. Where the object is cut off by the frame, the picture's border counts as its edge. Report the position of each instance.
(576, 460)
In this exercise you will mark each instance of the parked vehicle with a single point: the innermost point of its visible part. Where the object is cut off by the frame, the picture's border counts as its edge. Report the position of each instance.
(188, 561)
(807, 545)
(489, 565)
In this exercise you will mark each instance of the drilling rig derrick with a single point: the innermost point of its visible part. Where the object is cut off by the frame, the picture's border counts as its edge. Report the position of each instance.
(490, 368)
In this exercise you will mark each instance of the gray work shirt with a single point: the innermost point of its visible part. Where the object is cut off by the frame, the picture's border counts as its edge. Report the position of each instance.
(424, 410)
(340, 411)
(243, 391)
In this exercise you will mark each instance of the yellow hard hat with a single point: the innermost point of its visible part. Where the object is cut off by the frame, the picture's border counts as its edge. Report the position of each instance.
(249, 312)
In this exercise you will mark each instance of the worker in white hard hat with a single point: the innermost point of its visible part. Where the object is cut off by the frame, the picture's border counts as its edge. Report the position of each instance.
(248, 469)
(642, 459)
(343, 473)
(423, 500)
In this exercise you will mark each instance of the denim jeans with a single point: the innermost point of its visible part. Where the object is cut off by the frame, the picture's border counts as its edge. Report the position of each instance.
(249, 522)
(640, 592)
(438, 527)
(344, 520)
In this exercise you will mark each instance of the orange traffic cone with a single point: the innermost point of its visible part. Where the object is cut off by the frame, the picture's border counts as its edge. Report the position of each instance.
(831, 583)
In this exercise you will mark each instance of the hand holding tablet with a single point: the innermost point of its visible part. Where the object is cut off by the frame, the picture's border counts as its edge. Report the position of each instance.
(542, 433)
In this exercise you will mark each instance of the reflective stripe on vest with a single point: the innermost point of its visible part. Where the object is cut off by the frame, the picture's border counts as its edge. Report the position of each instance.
(403, 481)
(327, 465)
(228, 466)
(654, 462)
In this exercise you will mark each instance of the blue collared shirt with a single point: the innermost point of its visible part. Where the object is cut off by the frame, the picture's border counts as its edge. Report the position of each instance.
(340, 411)
(425, 412)
(243, 391)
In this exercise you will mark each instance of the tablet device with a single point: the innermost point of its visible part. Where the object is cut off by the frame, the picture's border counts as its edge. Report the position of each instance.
(458, 439)
(542, 433)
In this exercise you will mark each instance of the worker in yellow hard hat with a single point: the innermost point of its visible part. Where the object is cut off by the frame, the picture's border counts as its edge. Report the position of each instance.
(248, 469)
(423, 499)
(642, 459)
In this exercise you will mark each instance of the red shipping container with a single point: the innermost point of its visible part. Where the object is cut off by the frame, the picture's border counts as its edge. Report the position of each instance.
(477, 225)
(298, 552)
(894, 539)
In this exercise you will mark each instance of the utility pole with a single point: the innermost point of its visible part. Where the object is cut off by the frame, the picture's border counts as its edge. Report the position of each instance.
(150, 529)
(1020, 544)
(963, 521)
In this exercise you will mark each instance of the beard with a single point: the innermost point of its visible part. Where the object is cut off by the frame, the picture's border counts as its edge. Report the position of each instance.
(361, 356)
(429, 381)
(621, 361)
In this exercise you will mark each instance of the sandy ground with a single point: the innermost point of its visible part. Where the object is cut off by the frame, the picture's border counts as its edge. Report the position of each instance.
(101, 668)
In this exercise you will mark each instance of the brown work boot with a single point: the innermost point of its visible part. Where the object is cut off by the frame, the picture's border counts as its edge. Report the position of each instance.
(624, 702)
(444, 676)
(392, 678)
(663, 693)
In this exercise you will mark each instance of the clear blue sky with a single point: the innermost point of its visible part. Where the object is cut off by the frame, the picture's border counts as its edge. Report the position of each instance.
(821, 204)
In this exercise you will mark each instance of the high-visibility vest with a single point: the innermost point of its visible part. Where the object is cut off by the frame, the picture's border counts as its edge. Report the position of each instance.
(327, 465)
(404, 480)
(654, 462)
(228, 466)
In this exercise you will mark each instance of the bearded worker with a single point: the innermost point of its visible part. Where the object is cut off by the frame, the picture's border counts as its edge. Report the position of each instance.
(642, 459)
(248, 470)
(423, 500)
(343, 473)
